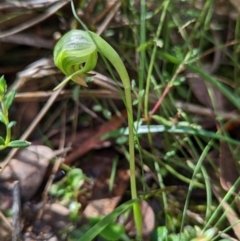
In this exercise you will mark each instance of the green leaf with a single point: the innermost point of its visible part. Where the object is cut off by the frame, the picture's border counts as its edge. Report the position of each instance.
(75, 178)
(19, 144)
(135, 102)
(2, 141)
(145, 46)
(112, 232)
(78, 232)
(107, 114)
(144, 129)
(209, 234)
(159, 42)
(57, 190)
(9, 98)
(162, 233)
(75, 93)
(121, 140)
(141, 93)
(170, 58)
(162, 120)
(11, 124)
(101, 225)
(97, 108)
(2, 119)
(3, 87)
(74, 210)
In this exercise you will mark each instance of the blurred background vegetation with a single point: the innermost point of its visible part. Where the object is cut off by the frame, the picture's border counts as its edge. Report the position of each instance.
(183, 61)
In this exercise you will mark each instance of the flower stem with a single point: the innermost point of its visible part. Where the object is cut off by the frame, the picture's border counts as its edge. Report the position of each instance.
(107, 51)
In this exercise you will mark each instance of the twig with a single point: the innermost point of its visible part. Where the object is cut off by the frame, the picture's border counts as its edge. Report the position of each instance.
(16, 208)
(36, 20)
(108, 19)
(48, 185)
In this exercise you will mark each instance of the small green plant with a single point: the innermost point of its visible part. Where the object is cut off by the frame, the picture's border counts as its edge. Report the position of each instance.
(69, 189)
(75, 54)
(112, 232)
(6, 100)
(189, 234)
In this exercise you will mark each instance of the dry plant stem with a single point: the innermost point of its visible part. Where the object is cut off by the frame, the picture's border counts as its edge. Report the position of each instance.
(199, 110)
(5, 220)
(102, 17)
(167, 89)
(36, 20)
(109, 18)
(16, 208)
(57, 165)
(33, 125)
(165, 92)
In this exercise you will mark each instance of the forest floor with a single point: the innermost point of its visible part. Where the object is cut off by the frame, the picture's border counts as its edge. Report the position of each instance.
(183, 60)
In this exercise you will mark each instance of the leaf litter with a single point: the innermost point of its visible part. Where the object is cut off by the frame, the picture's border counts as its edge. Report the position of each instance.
(31, 167)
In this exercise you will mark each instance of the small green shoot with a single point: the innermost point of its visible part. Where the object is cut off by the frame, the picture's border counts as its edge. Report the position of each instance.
(6, 100)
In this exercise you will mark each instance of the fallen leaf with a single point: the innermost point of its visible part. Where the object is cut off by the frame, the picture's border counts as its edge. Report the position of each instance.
(228, 169)
(201, 88)
(101, 207)
(94, 140)
(231, 215)
(103, 201)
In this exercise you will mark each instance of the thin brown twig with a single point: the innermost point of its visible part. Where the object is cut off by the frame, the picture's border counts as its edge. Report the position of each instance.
(36, 20)
(16, 208)
(108, 19)
(56, 167)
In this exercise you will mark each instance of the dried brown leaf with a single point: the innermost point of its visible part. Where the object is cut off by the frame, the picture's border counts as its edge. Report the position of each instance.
(200, 90)
(94, 139)
(231, 215)
(228, 169)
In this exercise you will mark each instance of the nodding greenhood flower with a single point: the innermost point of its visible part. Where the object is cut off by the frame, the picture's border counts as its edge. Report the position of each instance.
(3, 87)
(75, 54)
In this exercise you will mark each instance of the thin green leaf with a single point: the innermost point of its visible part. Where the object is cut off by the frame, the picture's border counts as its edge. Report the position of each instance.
(112, 232)
(75, 93)
(19, 144)
(9, 98)
(2, 141)
(11, 124)
(144, 129)
(107, 114)
(99, 227)
(2, 119)
(135, 102)
(162, 232)
(3, 87)
(170, 58)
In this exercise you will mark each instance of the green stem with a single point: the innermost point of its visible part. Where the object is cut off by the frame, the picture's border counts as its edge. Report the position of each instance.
(153, 56)
(107, 51)
(6, 121)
